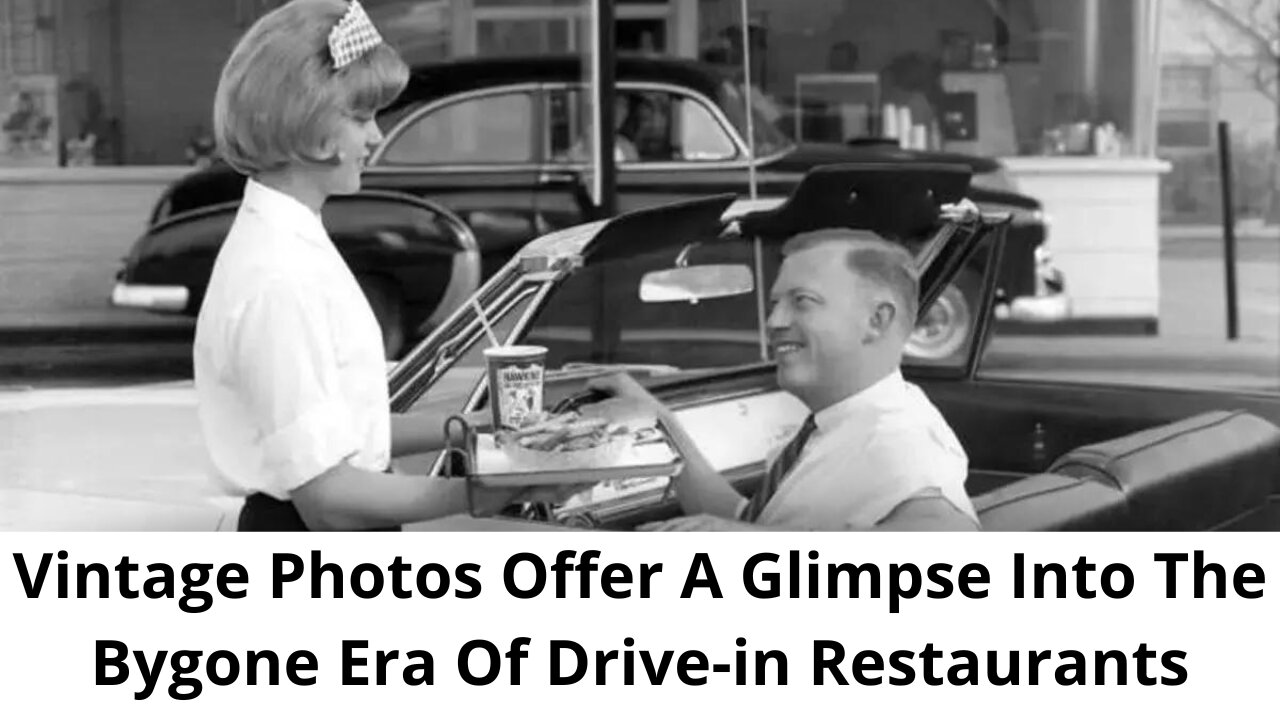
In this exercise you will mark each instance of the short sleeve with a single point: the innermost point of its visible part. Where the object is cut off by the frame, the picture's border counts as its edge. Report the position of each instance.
(906, 462)
(284, 369)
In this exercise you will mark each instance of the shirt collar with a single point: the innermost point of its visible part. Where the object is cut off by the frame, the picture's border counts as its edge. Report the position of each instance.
(277, 206)
(883, 393)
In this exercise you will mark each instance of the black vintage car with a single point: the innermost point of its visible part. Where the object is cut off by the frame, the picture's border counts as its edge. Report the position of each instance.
(498, 145)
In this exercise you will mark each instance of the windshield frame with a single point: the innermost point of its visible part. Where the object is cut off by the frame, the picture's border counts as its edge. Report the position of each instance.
(413, 377)
(546, 263)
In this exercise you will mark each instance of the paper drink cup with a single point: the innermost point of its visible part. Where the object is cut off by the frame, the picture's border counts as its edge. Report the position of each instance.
(515, 383)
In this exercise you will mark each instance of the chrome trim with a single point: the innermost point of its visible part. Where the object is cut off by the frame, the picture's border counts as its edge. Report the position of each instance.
(495, 169)
(406, 391)
(395, 132)
(740, 162)
(517, 332)
(417, 360)
(467, 275)
(156, 298)
(670, 165)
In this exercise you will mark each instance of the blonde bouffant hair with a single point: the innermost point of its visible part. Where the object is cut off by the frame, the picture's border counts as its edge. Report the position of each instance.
(280, 97)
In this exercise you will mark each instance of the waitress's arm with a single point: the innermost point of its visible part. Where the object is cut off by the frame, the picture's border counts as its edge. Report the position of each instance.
(348, 498)
(423, 432)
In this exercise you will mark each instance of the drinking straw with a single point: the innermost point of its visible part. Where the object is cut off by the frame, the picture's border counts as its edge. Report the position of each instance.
(493, 337)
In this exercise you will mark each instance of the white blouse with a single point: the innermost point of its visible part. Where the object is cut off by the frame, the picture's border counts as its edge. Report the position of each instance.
(289, 366)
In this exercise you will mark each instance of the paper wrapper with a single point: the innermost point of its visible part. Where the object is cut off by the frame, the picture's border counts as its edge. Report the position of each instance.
(603, 455)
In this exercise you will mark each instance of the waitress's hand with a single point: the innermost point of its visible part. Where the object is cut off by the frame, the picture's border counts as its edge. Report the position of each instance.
(480, 420)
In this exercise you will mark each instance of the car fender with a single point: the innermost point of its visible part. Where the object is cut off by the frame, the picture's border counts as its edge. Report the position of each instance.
(422, 247)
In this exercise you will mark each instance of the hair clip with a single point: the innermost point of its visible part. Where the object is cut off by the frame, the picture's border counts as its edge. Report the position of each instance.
(352, 37)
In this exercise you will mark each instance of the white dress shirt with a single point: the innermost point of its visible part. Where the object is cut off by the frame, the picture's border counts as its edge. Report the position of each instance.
(869, 454)
(289, 365)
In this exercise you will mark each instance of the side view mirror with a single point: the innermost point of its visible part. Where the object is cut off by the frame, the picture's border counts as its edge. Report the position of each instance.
(699, 282)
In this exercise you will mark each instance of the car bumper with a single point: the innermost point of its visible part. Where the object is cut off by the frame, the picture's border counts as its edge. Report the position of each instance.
(1040, 309)
(1047, 300)
(156, 298)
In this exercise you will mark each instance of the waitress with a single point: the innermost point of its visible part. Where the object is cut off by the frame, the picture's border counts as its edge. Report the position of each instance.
(289, 365)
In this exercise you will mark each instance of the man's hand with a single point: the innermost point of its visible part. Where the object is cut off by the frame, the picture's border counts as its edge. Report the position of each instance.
(629, 403)
(698, 523)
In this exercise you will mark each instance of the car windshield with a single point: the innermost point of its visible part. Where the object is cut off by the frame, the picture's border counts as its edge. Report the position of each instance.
(769, 139)
(597, 318)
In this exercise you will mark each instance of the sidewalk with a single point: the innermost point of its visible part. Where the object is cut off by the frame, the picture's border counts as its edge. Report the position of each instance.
(1244, 231)
(1252, 358)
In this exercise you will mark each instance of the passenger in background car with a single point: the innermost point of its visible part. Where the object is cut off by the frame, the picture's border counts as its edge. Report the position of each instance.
(874, 453)
(289, 364)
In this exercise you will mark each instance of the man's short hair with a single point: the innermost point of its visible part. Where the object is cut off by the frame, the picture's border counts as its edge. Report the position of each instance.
(279, 97)
(884, 263)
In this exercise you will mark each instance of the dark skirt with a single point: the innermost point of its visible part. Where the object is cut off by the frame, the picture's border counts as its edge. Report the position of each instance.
(263, 513)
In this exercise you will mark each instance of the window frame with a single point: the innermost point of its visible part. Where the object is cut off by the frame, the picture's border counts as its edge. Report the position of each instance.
(738, 161)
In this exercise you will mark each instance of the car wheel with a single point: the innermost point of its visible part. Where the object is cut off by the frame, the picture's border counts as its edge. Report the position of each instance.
(947, 326)
(384, 299)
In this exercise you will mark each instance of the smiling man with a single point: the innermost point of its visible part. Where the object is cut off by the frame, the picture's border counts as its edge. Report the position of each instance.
(874, 453)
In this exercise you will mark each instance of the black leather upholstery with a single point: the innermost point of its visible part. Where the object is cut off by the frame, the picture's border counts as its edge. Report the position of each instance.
(1197, 474)
(1053, 502)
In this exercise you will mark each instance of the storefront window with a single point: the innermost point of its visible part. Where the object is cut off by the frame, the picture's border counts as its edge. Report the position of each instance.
(104, 82)
(109, 82)
(765, 119)
(28, 85)
(1003, 78)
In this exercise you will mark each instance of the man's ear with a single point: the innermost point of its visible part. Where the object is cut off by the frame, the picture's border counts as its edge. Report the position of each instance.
(882, 319)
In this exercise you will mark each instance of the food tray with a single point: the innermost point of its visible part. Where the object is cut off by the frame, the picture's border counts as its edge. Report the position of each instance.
(493, 467)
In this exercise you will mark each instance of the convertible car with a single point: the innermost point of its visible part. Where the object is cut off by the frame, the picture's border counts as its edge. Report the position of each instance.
(497, 146)
(674, 311)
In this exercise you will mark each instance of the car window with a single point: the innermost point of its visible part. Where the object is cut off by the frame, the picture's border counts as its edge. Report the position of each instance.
(652, 126)
(493, 129)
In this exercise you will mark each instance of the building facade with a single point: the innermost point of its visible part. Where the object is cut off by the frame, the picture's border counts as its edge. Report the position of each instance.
(997, 77)
(1220, 63)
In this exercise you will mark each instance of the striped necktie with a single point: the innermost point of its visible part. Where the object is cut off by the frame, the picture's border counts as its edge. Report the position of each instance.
(778, 471)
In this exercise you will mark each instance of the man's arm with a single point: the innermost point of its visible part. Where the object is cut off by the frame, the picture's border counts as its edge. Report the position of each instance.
(700, 488)
(927, 512)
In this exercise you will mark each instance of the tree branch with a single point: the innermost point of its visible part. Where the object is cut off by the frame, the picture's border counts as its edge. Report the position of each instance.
(1257, 70)
(1253, 33)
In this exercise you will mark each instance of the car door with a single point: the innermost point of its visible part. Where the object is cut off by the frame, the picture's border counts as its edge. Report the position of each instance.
(475, 154)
